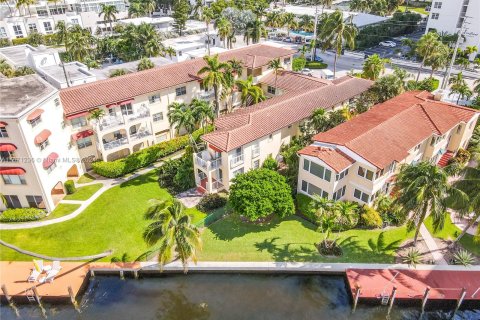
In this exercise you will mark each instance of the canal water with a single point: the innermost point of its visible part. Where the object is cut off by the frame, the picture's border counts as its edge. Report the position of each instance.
(222, 297)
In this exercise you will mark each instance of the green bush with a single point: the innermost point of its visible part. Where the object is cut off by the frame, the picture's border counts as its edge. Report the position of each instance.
(19, 41)
(316, 65)
(144, 157)
(22, 215)
(212, 201)
(462, 156)
(270, 164)
(70, 186)
(428, 84)
(4, 42)
(298, 64)
(370, 218)
(260, 193)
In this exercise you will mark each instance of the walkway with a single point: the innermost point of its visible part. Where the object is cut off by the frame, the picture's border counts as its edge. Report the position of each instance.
(432, 246)
(462, 223)
(107, 184)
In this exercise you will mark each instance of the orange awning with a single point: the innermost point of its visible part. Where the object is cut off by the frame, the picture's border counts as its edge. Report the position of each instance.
(17, 171)
(35, 114)
(121, 103)
(3, 124)
(48, 161)
(42, 136)
(7, 147)
(77, 115)
(82, 134)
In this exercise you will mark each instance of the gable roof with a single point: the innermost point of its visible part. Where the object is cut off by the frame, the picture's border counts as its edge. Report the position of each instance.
(288, 80)
(389, 130)
(335, 158)
(91, 95)
(248, 124)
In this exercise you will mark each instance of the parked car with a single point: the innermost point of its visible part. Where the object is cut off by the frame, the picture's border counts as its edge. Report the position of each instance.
(388, 43)
(326, 74)
(306, 71)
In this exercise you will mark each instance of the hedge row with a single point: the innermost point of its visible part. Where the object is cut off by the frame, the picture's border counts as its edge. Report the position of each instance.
(22, 215)
(144, 157)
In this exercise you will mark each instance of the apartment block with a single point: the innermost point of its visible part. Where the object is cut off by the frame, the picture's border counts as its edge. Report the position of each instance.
(242, 140)
(36, 153)
(359, 159)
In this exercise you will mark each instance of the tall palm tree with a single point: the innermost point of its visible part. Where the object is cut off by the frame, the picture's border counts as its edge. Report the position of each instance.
(439, 59)
(8, 4)
(79, 43)
(181, 116)
(249, 93)
(170, 52)
(214, 75)
(290, 22)
(476, 88)
(96, 114)
(224, 28)
(172, 228)
(337, 33)
(207, 17)
(323, 3)
(306, 23)
(425, 48)
(373, 66)
(274, 19)
(459, 86)
(423, 190)
(255, 31)
(359, 5)
(235, 66)
(277, 67)
(228, 90)
(25, 4)
(149, 6)
(202, 112)
(136, 10)
(109, 12)
(319, 120)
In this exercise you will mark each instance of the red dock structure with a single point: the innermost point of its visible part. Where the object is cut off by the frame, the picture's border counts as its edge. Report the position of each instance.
(413, 284)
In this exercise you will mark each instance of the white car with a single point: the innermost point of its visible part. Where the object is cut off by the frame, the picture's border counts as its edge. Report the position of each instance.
(306, 71)
(388, 44)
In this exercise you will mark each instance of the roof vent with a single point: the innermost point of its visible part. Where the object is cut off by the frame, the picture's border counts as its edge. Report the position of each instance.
(438, 96)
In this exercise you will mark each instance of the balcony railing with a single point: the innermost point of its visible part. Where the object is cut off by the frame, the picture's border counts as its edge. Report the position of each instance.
(206, 95)
(140, 135)
(115, 143)
(139, 115)
(236, 161)
(110, 122)
(211, 164)
(255, 151)
(217, 185)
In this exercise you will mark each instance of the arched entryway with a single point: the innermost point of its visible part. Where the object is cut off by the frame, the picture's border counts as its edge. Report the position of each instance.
(58, 192)
(73, 171)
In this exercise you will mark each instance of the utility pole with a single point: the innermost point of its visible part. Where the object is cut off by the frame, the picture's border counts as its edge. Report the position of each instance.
(312, 53)
(446, 76)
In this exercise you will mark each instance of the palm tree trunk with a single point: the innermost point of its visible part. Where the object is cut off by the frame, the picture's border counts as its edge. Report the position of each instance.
(420, 222)
(217, 102)
(420, 69)
(335, 65)
(431, 73)
(466, 228)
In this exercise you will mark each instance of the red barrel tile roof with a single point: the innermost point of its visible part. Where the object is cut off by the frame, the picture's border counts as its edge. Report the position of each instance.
(335, 158)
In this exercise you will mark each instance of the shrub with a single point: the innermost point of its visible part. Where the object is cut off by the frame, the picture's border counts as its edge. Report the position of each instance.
(462, 156)
(70, 186)
(117, 72)
(177, 175)
(298, 64)
(260, 193)
(270, 164)
(22, 215)
(4, 42)
(19, 41)
(428, 84)
(370, 218)
(316, 65)
(144, 157)
(212, 201)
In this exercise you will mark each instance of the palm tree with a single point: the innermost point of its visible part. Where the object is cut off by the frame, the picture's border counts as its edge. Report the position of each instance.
(274, 19)
(149, 6)
(96, 114)
(425, 48)
(181, 116)
(135, 10)
(231, 39)
(306, 23)
(320, 120)
(207, 17)
(108, 11)
(359, 5)
(224, 28)
(214, 76)
(423, 190)
(79, 43)
(346, 211)
(290, 22)
(25, 4)
(439, 59)
(459, 86)
(338, 33)
(170, 52)
(255, 31)
(228, 90)
(202, 112)
(476, 89)
(380, 246)
(172, 228)
(250, 93)
(235, 66)
(373, 66)
(145, 64)
(276, 66)
(315, 24)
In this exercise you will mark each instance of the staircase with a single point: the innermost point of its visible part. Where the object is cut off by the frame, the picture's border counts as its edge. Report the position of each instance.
(444, 159)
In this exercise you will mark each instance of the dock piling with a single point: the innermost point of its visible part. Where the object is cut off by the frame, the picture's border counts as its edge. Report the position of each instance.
(424, 300)
(357, 296)
(460, 300)
(392, 299)
(122, 276)
(135, 274)
(5, 292)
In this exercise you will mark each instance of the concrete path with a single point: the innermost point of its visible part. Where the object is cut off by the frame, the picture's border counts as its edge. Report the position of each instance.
(432, 246)
(190, 198)
(107, 184)
(462, 223)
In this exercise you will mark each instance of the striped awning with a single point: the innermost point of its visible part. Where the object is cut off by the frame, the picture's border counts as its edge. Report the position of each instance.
(15, 171)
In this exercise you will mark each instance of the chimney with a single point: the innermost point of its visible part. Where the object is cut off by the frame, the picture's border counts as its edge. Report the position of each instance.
(438, 95)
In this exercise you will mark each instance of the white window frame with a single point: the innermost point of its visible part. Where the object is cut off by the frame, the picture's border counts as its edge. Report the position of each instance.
(180, 91)
(154, 98)
(84, 142)
(13, 179)
(44, 145)
(157, 116)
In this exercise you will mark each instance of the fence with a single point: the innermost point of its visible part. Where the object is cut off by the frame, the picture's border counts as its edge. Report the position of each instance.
(215, 215)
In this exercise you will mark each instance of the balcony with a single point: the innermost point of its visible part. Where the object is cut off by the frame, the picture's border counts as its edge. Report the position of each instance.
(206, 95)
(115, 143)
(140, 135)
(255, 151)
(236, 161)
(204, 160)
(110, 122)
(139, 115)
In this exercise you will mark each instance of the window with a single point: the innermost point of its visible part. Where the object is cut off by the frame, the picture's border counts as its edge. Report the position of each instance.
(7, 156)
(437, 5)
(361, 195)
(57, 102)
(392, 166)
(367, 174)
(339, 193)
(154, 98)
(48, 27)
(341, 175)
(3, 32)
(270, 137)
(17, 30)
(35, 121)
(181, 91)
(13, 179)
(256, 164)
(317, 170)
(313, 189)
(3, 133)
(271, 90)
(127, 109)
(417, 147)
(435, 16)
(53, 166)
(161, 137)
(12, 201)
(78, 122)
(237, 172)
(157, 116)
(84, 142)
(74, 21)
(44, 144)
(286, 61)
(34, 201)
(434, 140)
(32, 27)
(459, 128)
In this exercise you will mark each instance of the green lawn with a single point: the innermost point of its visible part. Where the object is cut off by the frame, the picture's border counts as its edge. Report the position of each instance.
(450, 232)
(291, 239)
(62, 210)
(86, 178)
(84, 193)
(414, 9)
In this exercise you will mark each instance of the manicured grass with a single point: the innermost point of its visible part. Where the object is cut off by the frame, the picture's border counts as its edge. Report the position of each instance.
(450, 232)
(86, 178)
(197, 215)
(62, 210)
(414, 9)
(84, 193)
(113, 221)
(315, 65)
(291, 239)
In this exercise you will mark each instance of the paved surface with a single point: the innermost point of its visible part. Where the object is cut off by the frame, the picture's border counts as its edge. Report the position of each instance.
(432, 246)
(190, 198)
(462, 223)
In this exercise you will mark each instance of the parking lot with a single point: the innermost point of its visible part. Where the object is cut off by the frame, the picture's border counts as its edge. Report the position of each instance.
(398, 51)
